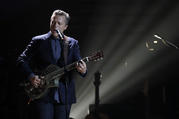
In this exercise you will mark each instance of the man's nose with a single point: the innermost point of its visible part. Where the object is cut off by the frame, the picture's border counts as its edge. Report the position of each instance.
(56, 24)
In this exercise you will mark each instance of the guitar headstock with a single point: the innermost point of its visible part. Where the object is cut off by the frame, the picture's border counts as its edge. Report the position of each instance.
(96, 56)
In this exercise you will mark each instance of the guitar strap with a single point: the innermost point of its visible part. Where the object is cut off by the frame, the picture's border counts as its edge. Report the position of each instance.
(65, 53)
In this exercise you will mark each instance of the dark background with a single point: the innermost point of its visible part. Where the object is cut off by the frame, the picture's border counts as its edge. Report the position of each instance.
(21, 20)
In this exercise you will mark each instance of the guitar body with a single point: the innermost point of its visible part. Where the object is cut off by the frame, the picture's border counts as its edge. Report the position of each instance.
(50, 79)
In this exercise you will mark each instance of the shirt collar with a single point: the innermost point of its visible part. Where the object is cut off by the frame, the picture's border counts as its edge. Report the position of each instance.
(52, 37)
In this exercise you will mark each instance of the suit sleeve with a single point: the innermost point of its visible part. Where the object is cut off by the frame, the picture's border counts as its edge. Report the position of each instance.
(24, 59)
(78, 56)
(76, 51)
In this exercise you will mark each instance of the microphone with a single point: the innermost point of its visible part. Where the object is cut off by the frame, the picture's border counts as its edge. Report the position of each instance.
(60, 35)
(166, 42)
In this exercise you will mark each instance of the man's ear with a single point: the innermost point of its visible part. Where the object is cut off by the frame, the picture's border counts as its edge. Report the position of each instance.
(66, 27)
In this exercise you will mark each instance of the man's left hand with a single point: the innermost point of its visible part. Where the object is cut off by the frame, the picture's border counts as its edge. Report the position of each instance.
(81, 67)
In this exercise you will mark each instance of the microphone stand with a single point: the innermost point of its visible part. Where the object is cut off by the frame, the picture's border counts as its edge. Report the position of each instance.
(97, 83)
(166, 42)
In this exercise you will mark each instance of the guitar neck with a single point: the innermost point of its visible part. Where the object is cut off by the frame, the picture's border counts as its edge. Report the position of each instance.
(54, 72)
(72, 66)
(61, 71)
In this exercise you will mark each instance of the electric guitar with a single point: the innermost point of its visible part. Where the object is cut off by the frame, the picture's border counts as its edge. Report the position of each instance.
(51, 76)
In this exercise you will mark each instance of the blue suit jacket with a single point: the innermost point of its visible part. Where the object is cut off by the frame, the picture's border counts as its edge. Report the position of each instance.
(38, 54)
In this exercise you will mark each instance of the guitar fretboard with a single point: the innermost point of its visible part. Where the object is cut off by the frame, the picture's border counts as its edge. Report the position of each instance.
(72, 66)
(54, 72)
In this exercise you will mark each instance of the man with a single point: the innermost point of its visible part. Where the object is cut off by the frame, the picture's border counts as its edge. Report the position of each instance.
(48, 49)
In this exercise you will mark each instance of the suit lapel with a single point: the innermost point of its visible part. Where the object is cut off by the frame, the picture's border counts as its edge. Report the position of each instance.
(49, 48)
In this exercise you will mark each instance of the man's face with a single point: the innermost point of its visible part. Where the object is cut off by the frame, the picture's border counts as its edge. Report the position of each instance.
(57, 23)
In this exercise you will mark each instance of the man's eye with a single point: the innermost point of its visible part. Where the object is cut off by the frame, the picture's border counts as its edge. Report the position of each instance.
(52, 22)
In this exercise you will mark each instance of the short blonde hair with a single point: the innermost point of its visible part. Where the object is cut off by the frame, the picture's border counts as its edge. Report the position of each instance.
(61, 13)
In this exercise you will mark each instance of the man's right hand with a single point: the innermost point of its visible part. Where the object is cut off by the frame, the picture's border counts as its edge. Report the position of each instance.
(35, 81)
